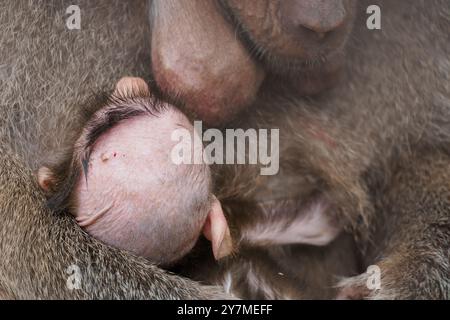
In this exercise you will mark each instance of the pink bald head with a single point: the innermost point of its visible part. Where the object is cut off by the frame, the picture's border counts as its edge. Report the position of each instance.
(133, 196)
(128, 192)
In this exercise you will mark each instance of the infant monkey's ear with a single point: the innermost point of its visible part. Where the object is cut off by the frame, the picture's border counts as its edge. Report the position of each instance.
(46, 179)
(217, 231)
(131, 85)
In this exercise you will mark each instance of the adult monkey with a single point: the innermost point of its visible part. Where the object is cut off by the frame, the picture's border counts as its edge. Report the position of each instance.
(378, 144)
(46, 71)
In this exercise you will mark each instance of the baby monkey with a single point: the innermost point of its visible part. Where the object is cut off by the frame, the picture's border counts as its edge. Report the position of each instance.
(122, 187)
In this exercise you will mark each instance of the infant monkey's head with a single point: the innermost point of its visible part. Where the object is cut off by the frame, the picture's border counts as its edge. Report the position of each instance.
(123, 187)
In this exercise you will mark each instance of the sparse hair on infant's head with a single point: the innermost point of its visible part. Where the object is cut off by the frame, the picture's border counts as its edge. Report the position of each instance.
(123, 187)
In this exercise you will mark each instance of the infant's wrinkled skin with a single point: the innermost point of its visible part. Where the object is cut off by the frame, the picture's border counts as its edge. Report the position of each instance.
(133, 195)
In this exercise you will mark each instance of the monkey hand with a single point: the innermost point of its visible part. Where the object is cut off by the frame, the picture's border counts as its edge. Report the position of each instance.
(398, 277)
(355, 288)
(379, 282)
